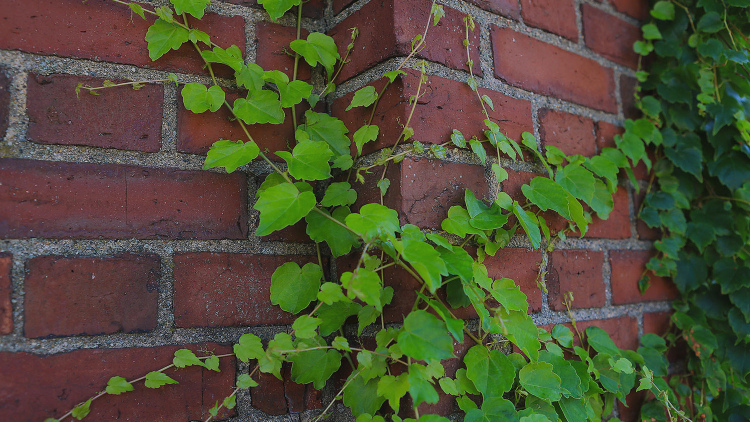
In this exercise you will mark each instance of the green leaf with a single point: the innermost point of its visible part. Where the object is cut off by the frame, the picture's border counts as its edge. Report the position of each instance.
(374, 220)
(339, 193)
(494, 409)
(663, 10)
(458, 223)
(522, 331)
(601, 342)
(184, 358)
(230, 154)
(260, 107)
(138, 10)
(81, 410)
(651, 32)
(198, 99)
(574, 410)
(308, 160)
(508, 294)
(305, 326)
(365, 134)
(393, 389)
(318, 48)
(322, 229)
(363, 97)
(420, 385)
(333, 316)
(212, 363)
(393, 74)
(578, 181)
(193, 7)
(491, 371)
(293, 288)
(426, 261)
(314, 366)
(231, 57)
(529, 226)
(250, 77)
(563, 335)
(248, 347)
(425, 337)
(230, 401)
(365, 285)
(282, 205)
(156, 379)
(539, 379)
(478, 149)
(570, 383)
(118, 385)
(245, 381)
(711, 22)
(547, 194)
(277, 8)
(362, 396)
(322, 127)
(712, 48)
(163, 36)
(458, 139)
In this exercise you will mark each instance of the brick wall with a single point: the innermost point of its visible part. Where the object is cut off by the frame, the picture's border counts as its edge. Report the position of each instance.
(116, 248)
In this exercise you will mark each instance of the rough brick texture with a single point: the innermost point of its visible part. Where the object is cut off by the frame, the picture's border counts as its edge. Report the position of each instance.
(282, 396)
(4, 103)
(99, 295)
(579, 272)
(636, 8)
(6, 308)
(118, 118)
(543, 68)
(556, 16)
(522, 266)
(627, 269)
(508, 8)
(65, 200)
(274, 52)
(610, 36)
(35, 387)
(572, 134)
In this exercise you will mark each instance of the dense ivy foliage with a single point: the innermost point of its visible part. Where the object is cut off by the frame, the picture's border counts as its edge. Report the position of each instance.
(696, 101)
(559, 375)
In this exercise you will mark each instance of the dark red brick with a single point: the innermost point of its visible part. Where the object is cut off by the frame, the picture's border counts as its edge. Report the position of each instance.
(623, 330)
(516, 179)
(273, 49)
(103, 30)
(578, 271)
(4, 103)
(224, 289)
(98, 295)
(120, 117)
(656, 322)
(534, 65)
(617, 226)
(557, 16)
(339, 5)
(311, 9)
(6, 307)
(80, 200)
(636, 8)
(276, 396)
(610, 36)
(627, 268)
(571, 133)
(522, 266)
(605, 135)
(386, 30)
(507, 8)
(37, 387)
(627, 93)
(443, 100)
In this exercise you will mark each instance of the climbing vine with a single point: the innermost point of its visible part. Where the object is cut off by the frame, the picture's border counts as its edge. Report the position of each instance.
(695, 99)
(561, 374)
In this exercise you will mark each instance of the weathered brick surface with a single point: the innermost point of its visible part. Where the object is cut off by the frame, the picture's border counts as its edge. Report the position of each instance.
(282, 396)
(617, 226)
(66, 200)
(339, 5)
(656, 323)
(508, 8)
(531, 64)
(610, 36)
(557, 16)
(99, 295)
(636, 8)
(578, 271)
(627, 268)
(102, 30)
(223, 289)
(444, 101)
(522, 266)
(6, 308)
(627, 93)
(4, 103)
(34, 387)
(273, 49)
(120, 117)
(605, 135)
(387, 27)
(571, 133)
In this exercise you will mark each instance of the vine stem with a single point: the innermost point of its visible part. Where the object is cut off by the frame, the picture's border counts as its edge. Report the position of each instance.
(296, 62)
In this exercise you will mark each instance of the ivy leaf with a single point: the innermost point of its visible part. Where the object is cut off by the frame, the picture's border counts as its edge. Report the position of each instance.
(260, 107)
(508, 294)
(365, 134)
(362, 396)
(156, 379)
(212, 363)
(601, 342)
(277, 8)
(198, 99)
(563, 335)
(522, 331)
(393, 74)
(457, 260)
(138, 10)
(478, 149)
(570, 383)
(333, 316)
(578, 181)
(282, 205)
(318, 48)
(425, 337)
(365, 285)
(305, 326)
(322, 229)
(494, 409)
(81, 410)
(250, 76)
(426, 261)
(193, 7)
(688, 159)
(711, 22)
(293, 288)
(539, 379)
(547, 194)
(118, 385)
(322, 127)
(245, 381)
(530, 226)
(231, 57)
(393, 388)
(314, 366)
(230, 154)
(420, 385)
(491, 371)
(374, 220)
(651, 32)
(363, 97)
(308, 160)
(339, 193)
(184, 358)
(248, 347)
(163, 36)
(663, 10)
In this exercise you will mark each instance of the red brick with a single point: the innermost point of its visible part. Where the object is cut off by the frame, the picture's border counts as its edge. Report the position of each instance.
(37, 387)
(522, 266)
(605, 135)
(339, 5)
(578, 271)
(6, 307)
(80, 200)
(311, 9)
(120, 118)
(507, 8)
(627, 93)
(571, 133)
(610, 36)
(636, 8)
(656, 323)
(276, 396)
(273, 49)
(617, 226)
(4, 103)
(644, 231)
(557, 16)
(627, 268)
(442, 99)
(623, 330)
(516, 179)
(531, 64)
(224, 290)
(386, 30)
(103, 30)
(99, 295)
